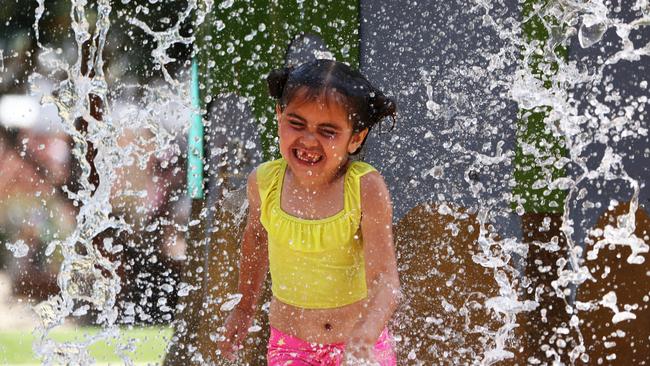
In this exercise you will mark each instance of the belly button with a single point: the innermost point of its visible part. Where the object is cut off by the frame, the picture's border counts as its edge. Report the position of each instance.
(328, 326)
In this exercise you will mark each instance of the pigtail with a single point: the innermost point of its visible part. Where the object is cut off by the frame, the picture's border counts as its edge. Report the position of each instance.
(381, 107)
(277, 80)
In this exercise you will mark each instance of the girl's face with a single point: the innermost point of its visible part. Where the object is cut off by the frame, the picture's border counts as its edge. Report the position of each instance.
(316, 138)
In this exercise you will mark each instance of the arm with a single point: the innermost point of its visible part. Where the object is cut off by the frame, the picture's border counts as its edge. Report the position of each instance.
(254, 260)
(253, 266)
(381, 266)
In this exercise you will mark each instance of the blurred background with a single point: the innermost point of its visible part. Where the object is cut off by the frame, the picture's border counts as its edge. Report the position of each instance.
(38, 171)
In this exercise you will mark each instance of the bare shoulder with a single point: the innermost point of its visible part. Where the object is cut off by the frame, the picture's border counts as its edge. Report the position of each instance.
(373, 186)
(375, 197)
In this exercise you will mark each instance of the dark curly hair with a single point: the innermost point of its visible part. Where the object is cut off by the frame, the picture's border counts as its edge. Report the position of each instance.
(367, 105)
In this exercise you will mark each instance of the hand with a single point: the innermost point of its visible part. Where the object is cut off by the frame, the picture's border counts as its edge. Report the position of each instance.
(235, 330)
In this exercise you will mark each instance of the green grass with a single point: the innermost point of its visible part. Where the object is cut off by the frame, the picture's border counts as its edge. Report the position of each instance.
(150, 342)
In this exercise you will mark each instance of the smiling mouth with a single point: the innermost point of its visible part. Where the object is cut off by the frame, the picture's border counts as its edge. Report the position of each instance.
(308, 157)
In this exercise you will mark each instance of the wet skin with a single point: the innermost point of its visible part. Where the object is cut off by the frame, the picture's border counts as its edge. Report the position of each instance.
(316, 325)
(315, 140)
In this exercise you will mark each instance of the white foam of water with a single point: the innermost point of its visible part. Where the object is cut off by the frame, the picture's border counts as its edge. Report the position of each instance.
(19, 249)
(231, 301)
(87, 278)
(564, 121)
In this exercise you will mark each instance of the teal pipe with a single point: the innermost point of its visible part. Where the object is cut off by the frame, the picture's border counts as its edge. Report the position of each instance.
(195, 140)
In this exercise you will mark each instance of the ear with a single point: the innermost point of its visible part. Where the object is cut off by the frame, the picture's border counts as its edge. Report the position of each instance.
(357, 140)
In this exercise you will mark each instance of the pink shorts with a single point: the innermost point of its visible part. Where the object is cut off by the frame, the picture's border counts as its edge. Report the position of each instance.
(287, 350)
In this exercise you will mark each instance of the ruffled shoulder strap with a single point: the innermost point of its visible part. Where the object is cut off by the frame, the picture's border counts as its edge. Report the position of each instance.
(360, 168)
(268, 175)
(356, 170)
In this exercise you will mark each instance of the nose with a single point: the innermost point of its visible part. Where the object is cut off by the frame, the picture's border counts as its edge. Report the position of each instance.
(309, 139)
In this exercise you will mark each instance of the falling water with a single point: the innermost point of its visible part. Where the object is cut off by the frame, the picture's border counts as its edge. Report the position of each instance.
(579, 127)
(585, 111)
(88, 278)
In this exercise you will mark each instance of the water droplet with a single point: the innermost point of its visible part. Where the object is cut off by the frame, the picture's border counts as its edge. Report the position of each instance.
(591, 31)
(254, 328)
(19, 249)
(231, 301)
(184, 289)
(226, 4)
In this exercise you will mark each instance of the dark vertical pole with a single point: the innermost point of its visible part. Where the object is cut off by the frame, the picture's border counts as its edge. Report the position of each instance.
(542, 207)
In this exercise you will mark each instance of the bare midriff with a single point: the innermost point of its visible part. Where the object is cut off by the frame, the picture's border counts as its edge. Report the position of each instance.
(316, 325)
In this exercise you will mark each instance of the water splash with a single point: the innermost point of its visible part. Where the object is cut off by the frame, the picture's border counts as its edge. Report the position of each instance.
(568, 120)
(19, 249)
(88, 277)
(172, 35)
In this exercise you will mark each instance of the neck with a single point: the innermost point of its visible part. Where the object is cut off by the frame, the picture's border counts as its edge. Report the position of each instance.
(313, 185)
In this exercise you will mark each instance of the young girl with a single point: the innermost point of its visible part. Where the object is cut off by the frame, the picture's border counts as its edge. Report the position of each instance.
(322, 224)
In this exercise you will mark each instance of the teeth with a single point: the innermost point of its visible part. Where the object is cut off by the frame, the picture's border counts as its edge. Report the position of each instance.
(309, 157)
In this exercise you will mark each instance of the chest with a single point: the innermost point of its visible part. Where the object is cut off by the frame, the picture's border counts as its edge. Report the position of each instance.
(311, 204)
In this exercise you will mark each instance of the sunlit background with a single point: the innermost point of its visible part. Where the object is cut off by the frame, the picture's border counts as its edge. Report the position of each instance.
(38, 169)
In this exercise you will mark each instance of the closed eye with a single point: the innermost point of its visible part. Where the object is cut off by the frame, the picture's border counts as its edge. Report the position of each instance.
(296, 124)
(328, 133)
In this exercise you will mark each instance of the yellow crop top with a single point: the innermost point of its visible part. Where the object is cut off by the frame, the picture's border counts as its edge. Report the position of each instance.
(314, 264)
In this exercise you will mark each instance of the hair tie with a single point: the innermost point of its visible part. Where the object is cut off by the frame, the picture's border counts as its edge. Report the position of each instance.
(277, 80)
(381, 106)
